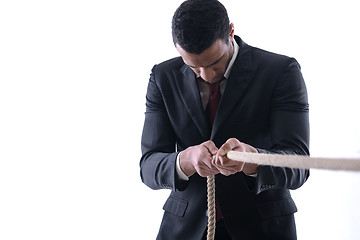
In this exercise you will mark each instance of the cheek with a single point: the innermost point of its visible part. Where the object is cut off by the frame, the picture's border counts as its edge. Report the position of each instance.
(219, 70)
(196, 71)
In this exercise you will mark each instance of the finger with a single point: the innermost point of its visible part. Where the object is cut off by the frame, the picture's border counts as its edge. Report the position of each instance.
(211, 147)
(209, 163)
(226, 164)
(204, 171)
(227, 171)
(229, 145)
(204, 166)
(224, 161)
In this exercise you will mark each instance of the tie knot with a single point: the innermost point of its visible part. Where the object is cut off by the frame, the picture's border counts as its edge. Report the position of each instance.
(214, 88)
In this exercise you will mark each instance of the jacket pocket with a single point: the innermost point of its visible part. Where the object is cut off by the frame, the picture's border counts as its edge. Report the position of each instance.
(277, 208)
(176, 206)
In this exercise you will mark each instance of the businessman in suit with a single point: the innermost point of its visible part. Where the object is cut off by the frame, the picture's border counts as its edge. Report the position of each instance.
(262, 107)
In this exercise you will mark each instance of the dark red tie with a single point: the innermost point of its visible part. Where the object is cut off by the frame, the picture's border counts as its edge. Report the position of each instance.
(211, 108)
(214, 100)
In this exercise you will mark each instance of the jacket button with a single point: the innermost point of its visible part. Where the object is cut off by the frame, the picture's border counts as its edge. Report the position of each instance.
(266, 186)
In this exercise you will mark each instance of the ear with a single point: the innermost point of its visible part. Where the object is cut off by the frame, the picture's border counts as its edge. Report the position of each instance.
(232, 31)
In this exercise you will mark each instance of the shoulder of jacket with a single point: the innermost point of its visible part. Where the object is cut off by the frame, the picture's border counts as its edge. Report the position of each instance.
(272, 59)
(168, 65)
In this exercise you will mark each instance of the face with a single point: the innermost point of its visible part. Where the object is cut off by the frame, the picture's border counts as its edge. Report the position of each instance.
(211, 64)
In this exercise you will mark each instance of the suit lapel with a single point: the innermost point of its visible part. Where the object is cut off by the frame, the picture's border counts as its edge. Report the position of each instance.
(237, 83)
(189, 92)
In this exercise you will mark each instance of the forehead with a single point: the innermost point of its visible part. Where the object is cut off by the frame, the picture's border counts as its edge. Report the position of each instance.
(207, 57)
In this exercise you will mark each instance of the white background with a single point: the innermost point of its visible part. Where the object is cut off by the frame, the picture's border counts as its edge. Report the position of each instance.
(73, 77)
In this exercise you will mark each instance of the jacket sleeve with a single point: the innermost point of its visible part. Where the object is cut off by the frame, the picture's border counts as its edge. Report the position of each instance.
(157, 164)
(289, 127)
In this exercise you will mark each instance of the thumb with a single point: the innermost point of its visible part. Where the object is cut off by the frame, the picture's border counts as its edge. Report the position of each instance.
(229, 145)
(222, 152)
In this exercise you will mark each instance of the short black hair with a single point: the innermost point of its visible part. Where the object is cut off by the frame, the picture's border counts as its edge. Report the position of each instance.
(197, 24)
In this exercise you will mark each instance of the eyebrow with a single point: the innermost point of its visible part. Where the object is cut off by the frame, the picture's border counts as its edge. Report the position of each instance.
(210, 64)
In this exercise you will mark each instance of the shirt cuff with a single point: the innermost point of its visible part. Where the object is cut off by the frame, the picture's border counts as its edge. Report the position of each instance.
(251, 175)
(180, 173)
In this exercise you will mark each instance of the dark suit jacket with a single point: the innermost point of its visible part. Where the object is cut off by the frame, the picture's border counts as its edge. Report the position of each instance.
(264, 105)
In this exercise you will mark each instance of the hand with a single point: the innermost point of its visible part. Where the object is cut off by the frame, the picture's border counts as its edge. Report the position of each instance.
(199, 159)
(227, 166)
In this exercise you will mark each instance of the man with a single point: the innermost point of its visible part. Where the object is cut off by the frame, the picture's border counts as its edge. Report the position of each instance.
(263, 108)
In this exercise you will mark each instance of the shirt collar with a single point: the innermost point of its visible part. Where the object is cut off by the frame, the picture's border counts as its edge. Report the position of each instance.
(231, 63)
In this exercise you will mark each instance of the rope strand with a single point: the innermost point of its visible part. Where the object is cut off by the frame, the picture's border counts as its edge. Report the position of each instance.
(211, 207)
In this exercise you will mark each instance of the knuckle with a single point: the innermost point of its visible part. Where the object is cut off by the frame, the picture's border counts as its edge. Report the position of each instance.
(227, 173)
(197, 164)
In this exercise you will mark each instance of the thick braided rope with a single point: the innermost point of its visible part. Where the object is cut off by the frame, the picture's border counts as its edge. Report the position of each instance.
(211, 207)
(277, 160)
(297, 161)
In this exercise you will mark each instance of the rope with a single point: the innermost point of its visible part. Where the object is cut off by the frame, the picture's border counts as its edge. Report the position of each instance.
(277, 160)
(211, 207)
(297, 161)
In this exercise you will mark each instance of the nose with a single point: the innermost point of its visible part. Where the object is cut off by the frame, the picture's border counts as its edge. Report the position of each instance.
(208, 74)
